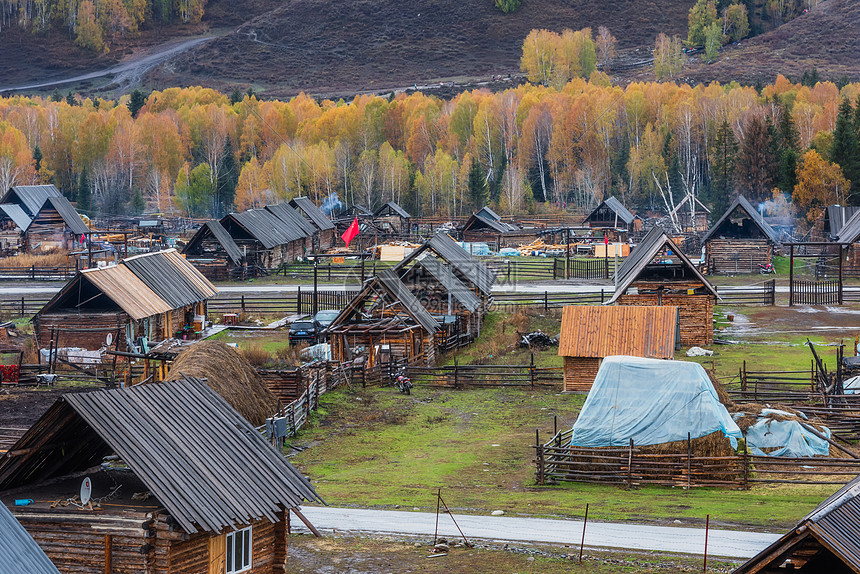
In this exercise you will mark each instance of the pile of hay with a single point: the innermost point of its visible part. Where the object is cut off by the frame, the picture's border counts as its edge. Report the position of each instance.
(230, 375)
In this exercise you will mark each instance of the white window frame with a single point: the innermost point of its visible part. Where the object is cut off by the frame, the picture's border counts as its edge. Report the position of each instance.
(230, 551)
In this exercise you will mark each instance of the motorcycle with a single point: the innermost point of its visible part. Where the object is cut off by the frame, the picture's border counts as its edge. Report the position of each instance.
(766, 269)
(404, 384)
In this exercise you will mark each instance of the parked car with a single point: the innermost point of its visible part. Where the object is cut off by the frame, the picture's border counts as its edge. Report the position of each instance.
(304, 331)
(325, 317)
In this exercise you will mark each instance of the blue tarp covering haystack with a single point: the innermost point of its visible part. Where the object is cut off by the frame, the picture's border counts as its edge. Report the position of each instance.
(651, 401)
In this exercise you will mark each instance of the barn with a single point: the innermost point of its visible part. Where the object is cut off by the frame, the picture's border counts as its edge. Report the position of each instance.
(591, 333)
(739, 241)
(142, 300)
(657, 273)
(180, 484)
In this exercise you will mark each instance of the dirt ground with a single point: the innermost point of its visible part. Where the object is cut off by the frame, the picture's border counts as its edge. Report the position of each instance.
(20, 407)
(362, 555)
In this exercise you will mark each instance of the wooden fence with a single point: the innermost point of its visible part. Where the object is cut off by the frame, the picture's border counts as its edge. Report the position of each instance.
(318, 380)
(463, 376)
(763, 295)
(630, 466)
(33, 273)
(816, 292)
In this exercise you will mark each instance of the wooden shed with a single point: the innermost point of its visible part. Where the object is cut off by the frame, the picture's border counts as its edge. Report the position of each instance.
(142, 300)
(612, 217)
(849, 237)
(692, 215)
(826, 540)
(657, 273)
(740, 241)
(392, 219)
(41, 217)
(180, 484)
(324, 236)
(384, 322)
(13, 221)
(214, 253)
(591, 333)
(831, 222)
(487, 226)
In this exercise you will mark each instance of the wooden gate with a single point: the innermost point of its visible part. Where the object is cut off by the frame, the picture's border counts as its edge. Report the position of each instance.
(816, 292)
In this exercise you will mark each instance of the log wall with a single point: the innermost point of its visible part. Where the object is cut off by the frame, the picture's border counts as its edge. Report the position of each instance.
(579, 372)
(726, 256)
(102, 323)
(695, 313)
(198, 554)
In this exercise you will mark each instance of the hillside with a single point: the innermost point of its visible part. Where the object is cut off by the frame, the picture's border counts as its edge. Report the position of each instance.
(326, 46)
(826, 38)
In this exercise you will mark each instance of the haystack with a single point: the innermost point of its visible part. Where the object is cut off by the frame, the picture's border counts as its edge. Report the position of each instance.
(230, 375)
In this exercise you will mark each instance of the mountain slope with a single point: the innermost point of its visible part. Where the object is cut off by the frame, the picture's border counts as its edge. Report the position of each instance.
(331, 45)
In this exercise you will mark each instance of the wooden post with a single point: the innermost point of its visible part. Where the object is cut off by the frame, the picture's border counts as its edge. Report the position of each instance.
(584, 523)
(567, 256)
(791, 275)
(840, 274)
(689, 461)
(630, 465)
(315, 309)
(545, 301)
(243, 303)
(22, 307)
(540, 477)
(299, 300)
(108, 553)
(746, 464)
(744, 376)
(456, 381)
(532, 370)
(707, 527)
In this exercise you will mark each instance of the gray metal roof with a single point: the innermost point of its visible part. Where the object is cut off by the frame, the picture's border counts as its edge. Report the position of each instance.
(489, 213)
(445, 276)
(314, 213)
(741, 203)
(65, 209)
(835, 524)
(850, 232)
(642, 256)
(203, 462)
(615, 206)
(837, 216)
(266, 228)
(290, 216)
(479, 220)
(16, 214)
(30, 197)
(401, 293)
(221, 236)
(171, 277)
(20, 552)
(472, 270)
(392, 208)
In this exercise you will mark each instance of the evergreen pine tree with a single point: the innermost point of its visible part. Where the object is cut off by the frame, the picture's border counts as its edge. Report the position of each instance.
(84, 194)
(37, 157)
(228, 178)
(477, 186)
(137, 202)
(723, 167)
(70, 99)
(56, 96)
(755, 165)
(236, 97)
(845, 150)
(135, 102)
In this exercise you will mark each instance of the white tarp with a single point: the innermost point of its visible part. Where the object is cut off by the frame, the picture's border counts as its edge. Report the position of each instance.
(651, 401)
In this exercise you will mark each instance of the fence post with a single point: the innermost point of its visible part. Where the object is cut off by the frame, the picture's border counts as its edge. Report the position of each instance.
(744, 376)
(532, 370)
(299, 300)
(689, 461)
(22, 306)
(540, 473)
(456, 381)
(509, 271)
(746, 464)
(630, 466)
(243, 303)
(601, 296)
(545, 301)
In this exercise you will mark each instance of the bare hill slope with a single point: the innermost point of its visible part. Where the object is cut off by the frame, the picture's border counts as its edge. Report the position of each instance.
(330, 45)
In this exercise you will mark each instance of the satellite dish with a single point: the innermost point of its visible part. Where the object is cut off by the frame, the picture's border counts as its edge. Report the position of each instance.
(86, 490)
(108, 339)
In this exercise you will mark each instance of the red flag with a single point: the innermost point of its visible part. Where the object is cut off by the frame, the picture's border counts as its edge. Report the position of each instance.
(605, 239)
(351, 232)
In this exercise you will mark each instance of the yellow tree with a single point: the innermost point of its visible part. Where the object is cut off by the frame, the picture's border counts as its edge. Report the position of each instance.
(539, 56)
(819, 183)
(16, 161)
(253, 190)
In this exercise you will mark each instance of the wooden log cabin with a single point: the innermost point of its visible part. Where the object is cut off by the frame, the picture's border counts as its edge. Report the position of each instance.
(41, 218)
(214, 253)
(739, 241)
(825, 540)
(180, 484)
(691, 219)
(392, 219)
(384, 322)
(657, 273)
(614, 219)
(849, 237)
(487, 226)
(142, 300)
(324, 237)
(591, 333)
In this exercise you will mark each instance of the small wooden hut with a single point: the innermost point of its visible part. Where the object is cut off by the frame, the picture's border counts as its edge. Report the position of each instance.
(740, 241)
(657, 273)
(487, 226)
(613, 218)
(144, 299)
(180, 484)
(214, 253)
(691, 220)
(393, 219)
(591, 333)
(826, 540)
(384, 322)
(42, 218)
(849, 237)
(325, 235)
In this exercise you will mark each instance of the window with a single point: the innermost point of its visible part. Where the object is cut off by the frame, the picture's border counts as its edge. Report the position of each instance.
(239, 551)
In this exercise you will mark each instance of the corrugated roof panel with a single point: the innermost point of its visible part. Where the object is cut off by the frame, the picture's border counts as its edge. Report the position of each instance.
(445, 276)
(313, 213)
(286, 212)
(269, 230)
(401, 293)
(67, 212)
(394, 208)
(20, 553)
(171, 277)
(31, 197)
(616, 206)
(16, 214)
(598, 331)
(220, 234)
(123, 287)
